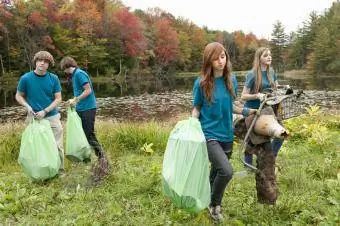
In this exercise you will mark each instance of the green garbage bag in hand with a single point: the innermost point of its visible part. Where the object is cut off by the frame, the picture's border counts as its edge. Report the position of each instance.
(185, 173)
(77, 146)
(39, 156)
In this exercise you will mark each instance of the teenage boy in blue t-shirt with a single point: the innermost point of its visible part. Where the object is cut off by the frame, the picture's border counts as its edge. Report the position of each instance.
(39, 91)
(85, 102)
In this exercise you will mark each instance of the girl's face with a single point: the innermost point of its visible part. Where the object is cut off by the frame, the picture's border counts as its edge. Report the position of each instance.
(219, 63)
(266, 58)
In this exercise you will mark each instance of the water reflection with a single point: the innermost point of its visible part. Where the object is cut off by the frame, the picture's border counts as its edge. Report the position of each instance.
(142, 98)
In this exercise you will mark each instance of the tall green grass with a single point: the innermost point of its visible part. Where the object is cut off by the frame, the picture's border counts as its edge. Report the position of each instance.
(308, 179)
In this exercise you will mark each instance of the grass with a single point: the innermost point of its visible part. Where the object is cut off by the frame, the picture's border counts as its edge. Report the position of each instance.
(309, 182)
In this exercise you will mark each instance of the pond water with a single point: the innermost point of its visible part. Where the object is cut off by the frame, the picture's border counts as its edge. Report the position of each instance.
(144, 97)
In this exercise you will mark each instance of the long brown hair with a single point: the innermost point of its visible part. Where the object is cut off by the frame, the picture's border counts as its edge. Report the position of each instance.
(211, 52)
(257, 70)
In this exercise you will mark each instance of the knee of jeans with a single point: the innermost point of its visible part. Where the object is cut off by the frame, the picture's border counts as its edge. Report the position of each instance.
(227, 172)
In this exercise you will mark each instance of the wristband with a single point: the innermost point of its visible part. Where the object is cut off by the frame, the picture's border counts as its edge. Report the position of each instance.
(245, 112)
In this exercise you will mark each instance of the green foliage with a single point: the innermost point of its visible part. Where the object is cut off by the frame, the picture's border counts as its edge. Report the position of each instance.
(316, 45)
(278, 45)
(130, 137)
(313, 127)
(10, 136)
(309, 184)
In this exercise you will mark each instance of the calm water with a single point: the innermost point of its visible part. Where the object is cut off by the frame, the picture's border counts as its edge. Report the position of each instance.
(139, 85)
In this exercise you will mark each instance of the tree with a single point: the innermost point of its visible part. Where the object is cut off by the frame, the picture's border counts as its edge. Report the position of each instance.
(278, 44)
(167, 45)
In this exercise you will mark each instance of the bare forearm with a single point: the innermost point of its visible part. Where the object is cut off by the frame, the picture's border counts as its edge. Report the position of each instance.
(84, 94)
(53, 105)
(195, 112)
(21, 100)
(247, 96)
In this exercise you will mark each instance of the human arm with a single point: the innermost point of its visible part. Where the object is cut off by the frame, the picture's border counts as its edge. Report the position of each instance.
(20, 98)
(244, 111)
(87, 91)
(57, 100)
(247, 96)
(195, 112)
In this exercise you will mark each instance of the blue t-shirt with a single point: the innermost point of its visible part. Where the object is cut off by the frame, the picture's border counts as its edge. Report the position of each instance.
(40, 90)
(79, 79)
(216, 117)
(250, 84)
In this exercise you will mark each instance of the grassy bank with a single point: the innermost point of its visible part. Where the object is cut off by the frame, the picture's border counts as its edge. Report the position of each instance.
(308, 179)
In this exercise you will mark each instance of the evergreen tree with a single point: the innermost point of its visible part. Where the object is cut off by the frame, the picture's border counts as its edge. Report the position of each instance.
(278, 44)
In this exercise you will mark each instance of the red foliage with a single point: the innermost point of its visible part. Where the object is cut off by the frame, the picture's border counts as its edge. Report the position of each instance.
(35, 19)
(131, 32)
(167, 42)
(51, 10)
(4, 16)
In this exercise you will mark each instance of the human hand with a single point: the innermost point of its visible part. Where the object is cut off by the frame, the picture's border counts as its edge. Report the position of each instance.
(73, 102)
(40, 114)
(252, 111)
(260, 96)
(29, 110)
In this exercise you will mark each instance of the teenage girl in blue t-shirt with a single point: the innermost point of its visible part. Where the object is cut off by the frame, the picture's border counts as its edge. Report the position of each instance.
(261, 77)
(214, 92)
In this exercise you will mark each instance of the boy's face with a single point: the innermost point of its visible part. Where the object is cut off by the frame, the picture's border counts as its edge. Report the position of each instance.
(67, 71)
(42, 65)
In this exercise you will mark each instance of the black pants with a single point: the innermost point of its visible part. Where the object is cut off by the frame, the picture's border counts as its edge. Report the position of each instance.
(87, 119)
(221, 170)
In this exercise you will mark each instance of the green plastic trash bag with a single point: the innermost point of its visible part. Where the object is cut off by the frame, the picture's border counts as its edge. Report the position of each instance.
(77, 146)
(185, 173)
(39, 156)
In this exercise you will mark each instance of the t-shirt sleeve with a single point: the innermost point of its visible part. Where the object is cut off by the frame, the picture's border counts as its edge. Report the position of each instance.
(235, 85)
(197, 93)
(250, 80)
(57, 86)
(275, 79)
(82, 78)
(22, 85)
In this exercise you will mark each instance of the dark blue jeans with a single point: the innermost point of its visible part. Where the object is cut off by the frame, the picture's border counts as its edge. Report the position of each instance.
(276, 145)
(221, 170)
(87, 119)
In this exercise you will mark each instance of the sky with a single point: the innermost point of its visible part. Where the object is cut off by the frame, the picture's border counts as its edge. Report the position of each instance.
(256, 16)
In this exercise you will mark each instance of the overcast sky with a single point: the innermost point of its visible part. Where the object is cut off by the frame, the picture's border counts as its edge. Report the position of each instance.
(257, 16)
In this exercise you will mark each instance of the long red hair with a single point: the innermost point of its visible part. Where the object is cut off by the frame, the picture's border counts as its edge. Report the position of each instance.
(211, 53)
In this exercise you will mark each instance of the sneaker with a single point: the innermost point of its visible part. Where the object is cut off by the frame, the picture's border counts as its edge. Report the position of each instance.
(215, 213)
(104, 165)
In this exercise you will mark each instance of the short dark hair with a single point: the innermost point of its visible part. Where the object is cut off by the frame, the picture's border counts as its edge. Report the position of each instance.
(67, 62)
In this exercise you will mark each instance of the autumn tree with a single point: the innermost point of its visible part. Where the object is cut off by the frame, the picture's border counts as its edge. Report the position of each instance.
(167, 45)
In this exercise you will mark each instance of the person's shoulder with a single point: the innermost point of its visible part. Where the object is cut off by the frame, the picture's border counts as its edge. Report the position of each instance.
(81, 71)
(250, 74)
(26, 76)
(52, 75)
(197, 80)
